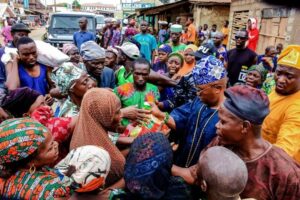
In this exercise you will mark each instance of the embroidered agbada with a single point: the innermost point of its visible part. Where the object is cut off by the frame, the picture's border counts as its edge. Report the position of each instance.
(129, 96)
(188, 126)
(97, 110)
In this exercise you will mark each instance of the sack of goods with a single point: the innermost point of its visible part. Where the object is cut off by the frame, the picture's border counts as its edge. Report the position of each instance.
(50, 55)
(47, 54)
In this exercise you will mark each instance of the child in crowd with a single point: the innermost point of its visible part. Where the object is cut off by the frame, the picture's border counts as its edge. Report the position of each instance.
(161, 65)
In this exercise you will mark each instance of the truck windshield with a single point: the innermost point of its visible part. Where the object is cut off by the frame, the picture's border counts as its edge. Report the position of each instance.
(100, 19)
(70, 22)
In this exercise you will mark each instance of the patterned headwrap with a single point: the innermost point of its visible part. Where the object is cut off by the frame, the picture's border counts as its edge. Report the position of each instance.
(247, 103)
(68, 47)
(191, 46)
(65, 76)
(19, 138)
(148, 166)
(87, 167)
(290, 56)
(19, 101)
(178, 55)
(208, 70)
(165, 48)
(261, 70)
(90, 50)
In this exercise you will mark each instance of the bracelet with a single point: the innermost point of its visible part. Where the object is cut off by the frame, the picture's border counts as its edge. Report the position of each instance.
(167, 117)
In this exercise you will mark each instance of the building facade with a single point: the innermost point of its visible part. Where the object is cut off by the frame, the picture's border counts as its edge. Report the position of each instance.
(92, 7)
(277, 24)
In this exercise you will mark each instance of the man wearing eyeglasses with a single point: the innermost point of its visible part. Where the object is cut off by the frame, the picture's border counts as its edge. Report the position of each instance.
(240, 59)
(194, 122)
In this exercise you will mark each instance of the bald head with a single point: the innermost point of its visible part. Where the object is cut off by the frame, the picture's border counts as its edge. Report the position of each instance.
(83, 23)
(218, 38)
(224, 173)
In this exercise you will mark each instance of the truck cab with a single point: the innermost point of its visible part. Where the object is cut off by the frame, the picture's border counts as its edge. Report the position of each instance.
(63, 25)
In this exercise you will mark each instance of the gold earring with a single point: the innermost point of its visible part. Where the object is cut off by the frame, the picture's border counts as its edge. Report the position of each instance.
(32, 169)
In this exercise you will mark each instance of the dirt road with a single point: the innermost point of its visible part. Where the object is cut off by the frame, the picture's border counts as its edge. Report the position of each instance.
(37, 33)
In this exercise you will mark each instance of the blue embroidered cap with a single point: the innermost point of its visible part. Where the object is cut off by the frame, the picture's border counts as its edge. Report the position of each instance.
(208, 70)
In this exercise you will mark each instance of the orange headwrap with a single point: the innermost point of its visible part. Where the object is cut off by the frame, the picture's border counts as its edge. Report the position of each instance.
(290, 56)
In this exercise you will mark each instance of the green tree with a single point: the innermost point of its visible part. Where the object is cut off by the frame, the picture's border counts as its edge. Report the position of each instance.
(76, 5)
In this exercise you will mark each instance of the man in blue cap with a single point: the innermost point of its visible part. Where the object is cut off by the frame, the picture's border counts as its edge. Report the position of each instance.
(185, 90)
(194, 122)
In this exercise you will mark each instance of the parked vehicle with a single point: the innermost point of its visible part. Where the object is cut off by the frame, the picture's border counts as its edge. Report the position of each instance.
(63, 25)
(100, 22)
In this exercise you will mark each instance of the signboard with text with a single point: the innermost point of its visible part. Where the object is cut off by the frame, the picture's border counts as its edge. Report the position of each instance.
(133, 6)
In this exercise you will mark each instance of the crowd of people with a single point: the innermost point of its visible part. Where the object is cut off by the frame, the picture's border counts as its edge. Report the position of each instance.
(140, 116)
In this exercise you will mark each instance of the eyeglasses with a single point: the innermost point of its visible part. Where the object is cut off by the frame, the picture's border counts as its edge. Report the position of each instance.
(207, 87)
(241, 38)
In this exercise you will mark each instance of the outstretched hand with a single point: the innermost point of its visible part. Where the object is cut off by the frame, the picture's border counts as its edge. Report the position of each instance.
(155, 111)
(134, 113)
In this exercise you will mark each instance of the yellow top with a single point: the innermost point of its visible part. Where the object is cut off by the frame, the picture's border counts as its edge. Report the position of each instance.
(191, 33)
(225, 31)
(282, 126)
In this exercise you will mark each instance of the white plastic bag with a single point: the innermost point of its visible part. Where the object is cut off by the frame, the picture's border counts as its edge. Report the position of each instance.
(50, 55)
(6, 57)
(47, 54)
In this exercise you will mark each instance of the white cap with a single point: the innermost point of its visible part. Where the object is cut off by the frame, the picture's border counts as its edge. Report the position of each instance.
(125, 21)
(130, 50)
(163, 22)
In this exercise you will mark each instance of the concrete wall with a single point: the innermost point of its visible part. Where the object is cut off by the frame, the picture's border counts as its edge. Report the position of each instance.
(211, 15)
(255, 7)
(293, 28)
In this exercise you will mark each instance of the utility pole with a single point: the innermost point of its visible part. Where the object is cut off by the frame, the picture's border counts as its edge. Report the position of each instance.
(54, 5)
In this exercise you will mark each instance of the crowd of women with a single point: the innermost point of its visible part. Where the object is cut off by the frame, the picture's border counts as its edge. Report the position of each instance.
(141, 121)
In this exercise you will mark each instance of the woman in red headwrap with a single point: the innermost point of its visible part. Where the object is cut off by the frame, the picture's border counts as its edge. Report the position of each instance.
(253, 34)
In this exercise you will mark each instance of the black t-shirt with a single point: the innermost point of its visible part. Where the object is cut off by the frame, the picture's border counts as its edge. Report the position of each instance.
(239, 60)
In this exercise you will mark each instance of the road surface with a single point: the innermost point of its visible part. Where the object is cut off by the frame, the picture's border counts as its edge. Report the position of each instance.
(37, 33)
